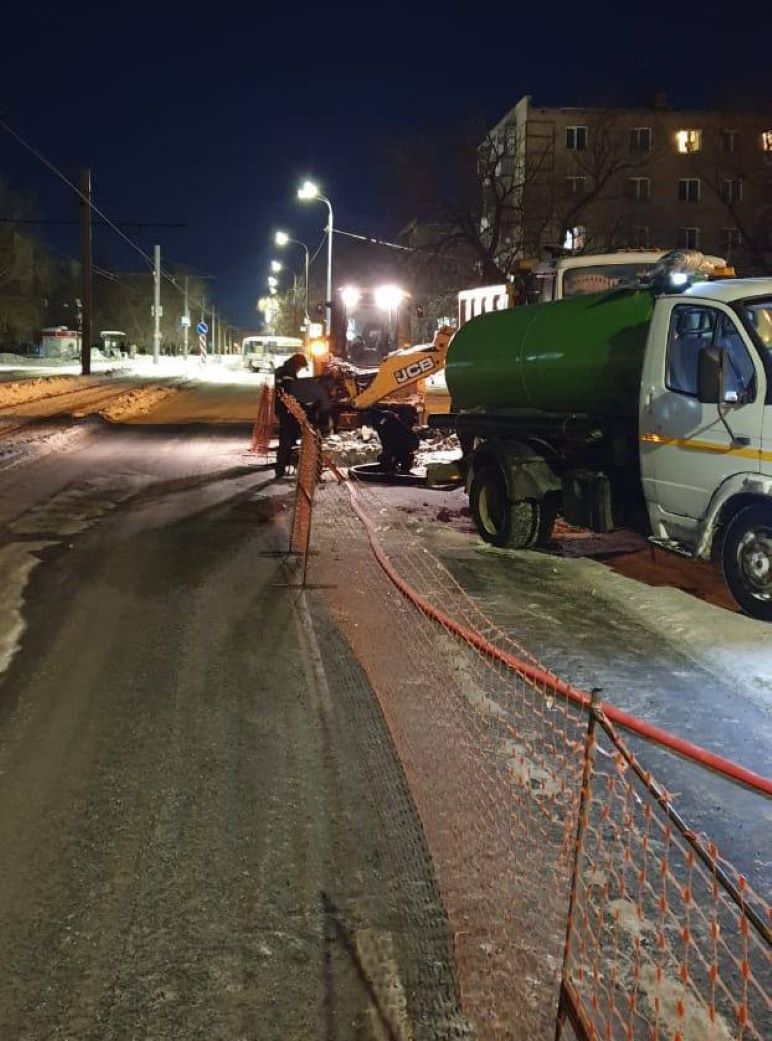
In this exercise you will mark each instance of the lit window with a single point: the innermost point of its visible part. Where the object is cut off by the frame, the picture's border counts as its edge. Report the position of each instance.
(640, 139)
(689, 140)
(640, 189)
(689, 238)
(766, 140)
(574, 239)
(730, 140)
(689, 189)
(576, 138)
(732, 190)
(575, 185)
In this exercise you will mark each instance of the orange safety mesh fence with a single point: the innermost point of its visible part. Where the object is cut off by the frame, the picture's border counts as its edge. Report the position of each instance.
(262, 430)
(309, 462)
(494, 763)
(666, 939)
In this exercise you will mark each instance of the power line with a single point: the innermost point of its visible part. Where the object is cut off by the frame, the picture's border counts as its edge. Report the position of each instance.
(92, 205)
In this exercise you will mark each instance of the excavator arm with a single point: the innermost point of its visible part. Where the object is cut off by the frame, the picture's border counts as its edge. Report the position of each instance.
(406, 367)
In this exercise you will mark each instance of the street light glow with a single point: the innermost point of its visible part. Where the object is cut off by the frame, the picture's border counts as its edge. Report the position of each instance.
(281, 238)
(388, 298)
(350, 296)
(273, 281)
(308, 190)
(275, 266)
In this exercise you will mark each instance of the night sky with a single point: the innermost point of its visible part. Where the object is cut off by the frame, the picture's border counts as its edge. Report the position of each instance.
(213, 117)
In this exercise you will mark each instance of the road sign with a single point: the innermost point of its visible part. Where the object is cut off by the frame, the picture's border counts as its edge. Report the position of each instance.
(202, 328)
(185, 321)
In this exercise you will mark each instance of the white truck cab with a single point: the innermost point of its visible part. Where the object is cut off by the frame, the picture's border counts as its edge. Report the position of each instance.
(706, 430)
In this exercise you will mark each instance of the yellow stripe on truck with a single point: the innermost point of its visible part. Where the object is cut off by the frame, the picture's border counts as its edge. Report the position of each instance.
(693, 445)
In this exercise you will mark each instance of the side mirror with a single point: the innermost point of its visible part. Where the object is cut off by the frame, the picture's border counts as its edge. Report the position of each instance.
(709, 375)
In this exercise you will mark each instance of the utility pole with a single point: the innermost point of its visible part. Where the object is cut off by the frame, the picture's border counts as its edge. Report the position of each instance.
(157, 306)
(85, 263)
(213, 330)
(185, 321)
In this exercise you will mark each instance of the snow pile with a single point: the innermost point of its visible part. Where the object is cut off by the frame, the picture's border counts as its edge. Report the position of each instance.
(16, 392)
(438, 447)
(135, 402)
(352, 447)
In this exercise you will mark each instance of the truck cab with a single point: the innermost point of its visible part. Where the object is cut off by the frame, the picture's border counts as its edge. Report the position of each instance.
(705, 415)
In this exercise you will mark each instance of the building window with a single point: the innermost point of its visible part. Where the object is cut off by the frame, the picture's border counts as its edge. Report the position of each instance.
(732, 190)
(639, 237)
(576, 138)
(640, 189)
(689, 238)
(574, 239)
(575, 185)
(730, 241)
(689, 141)
(640, 139)
(766, 141)
(730, 140)
(689, 189)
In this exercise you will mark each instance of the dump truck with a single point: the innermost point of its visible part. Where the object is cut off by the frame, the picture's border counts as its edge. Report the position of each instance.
(646, 406)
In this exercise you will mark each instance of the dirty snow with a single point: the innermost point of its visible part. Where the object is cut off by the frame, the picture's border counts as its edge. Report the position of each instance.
(17, 392)
(16, 564)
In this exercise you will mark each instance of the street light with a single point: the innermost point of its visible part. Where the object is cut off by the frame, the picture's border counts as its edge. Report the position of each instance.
(275, 267)
(281, 238)
(273, 281)
(308, 192)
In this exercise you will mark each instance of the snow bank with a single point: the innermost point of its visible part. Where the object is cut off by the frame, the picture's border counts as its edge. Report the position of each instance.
(135, 402)
(15, 392)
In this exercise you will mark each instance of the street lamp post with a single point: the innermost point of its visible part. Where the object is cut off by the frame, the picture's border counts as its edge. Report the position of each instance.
(306, 192)
(281, 239)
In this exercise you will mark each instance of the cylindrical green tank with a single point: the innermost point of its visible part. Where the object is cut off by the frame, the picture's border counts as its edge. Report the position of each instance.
(583, 354)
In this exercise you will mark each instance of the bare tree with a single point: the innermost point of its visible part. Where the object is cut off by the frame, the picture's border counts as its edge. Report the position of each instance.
(737, 174)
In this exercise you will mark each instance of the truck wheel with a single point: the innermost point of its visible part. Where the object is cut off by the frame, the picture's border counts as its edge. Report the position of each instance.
(509, 525)
(747, 560)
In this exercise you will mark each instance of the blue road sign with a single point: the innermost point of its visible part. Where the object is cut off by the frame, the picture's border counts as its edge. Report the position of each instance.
(202, 328)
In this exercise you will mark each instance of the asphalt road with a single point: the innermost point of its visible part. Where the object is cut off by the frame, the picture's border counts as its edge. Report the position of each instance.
(204, 833)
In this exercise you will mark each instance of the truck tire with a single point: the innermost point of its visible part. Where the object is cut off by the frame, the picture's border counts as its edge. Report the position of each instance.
(747, 560)
(508, 525)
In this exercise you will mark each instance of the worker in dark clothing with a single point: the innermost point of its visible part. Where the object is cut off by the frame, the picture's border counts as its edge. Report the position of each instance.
(398, 441)
(289, 428)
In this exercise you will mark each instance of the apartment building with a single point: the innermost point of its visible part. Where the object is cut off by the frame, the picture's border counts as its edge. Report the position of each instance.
(605, 178)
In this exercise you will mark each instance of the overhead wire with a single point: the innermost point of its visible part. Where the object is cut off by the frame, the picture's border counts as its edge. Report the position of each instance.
(33, 150)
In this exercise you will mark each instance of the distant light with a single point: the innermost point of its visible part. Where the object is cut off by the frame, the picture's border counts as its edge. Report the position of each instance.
(308, 190)
(318, 348)
(281, 238)
(275, 266)
(273, 281)
(388, 298)
(350, 296)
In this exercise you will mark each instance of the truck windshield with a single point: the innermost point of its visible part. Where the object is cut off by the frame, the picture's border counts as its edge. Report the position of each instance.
(600, 277)
(758, 315)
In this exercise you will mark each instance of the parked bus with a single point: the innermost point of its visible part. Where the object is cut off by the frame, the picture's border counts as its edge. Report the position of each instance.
(267, 353)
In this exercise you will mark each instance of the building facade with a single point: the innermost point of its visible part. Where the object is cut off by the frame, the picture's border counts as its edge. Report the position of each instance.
(604, 178)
